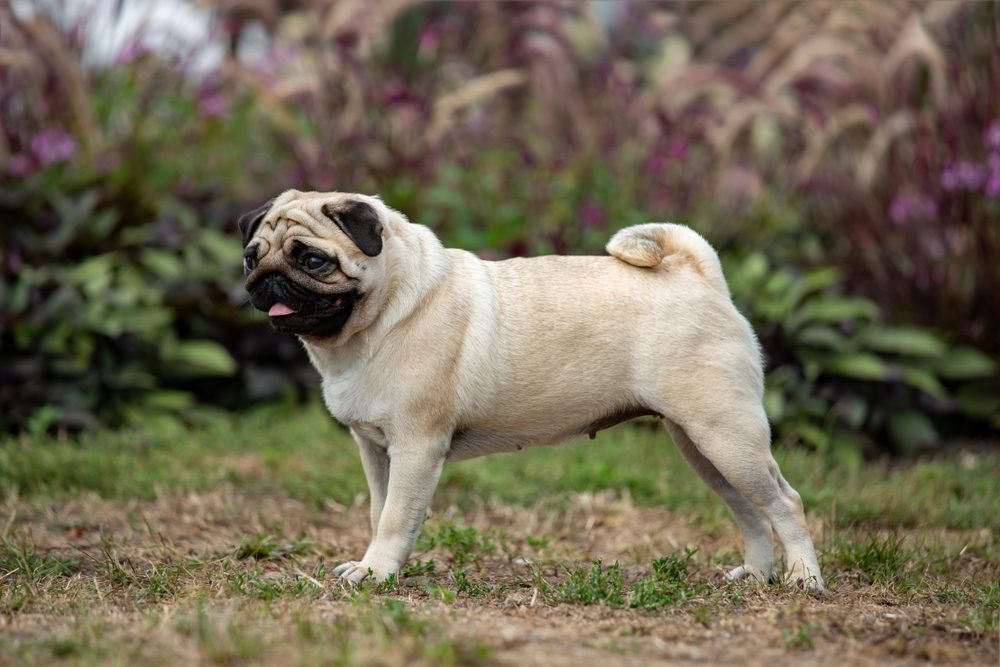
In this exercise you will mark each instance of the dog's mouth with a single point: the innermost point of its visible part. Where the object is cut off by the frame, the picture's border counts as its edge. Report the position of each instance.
(295, 309)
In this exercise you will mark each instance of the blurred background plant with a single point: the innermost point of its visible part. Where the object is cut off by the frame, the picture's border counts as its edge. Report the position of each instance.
(843, 157)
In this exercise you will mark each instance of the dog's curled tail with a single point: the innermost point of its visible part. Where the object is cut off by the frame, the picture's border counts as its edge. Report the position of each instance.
(648, 245)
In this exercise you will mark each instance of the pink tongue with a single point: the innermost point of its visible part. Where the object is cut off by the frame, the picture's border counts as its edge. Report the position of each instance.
(279, 309)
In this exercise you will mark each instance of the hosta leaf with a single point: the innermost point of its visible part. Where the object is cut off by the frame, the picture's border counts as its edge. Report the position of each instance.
(168, 399)
(199, 357)
(852, 410)
(981, 401)
(912, 430)
(821, 336)
(818, 279)
(904, 340)
(162, 264)
(925, 381)
(774, 404)
(833, 309)
(964, 363)
(860, 366)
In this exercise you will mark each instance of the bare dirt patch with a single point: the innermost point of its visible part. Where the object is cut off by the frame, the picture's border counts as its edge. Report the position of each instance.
(484, 587)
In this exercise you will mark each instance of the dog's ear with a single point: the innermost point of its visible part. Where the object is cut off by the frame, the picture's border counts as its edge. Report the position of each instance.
(360, 222)
(249, 222)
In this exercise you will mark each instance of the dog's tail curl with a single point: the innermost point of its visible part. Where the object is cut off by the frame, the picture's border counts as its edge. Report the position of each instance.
(648, 245)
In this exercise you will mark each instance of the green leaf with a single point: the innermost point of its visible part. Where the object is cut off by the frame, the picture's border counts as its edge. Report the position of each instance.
(846, 450)
(818, 279)
(819, 335)
(912, 430)
(225, 250)
(860, 366)
(833, 309)
(904, 340)
(162, 263)
(754, 267)
(199, 357)
(852, 409)
(168, 399)
(921, 379)
(964, 363)
(812, 435)
(981, 401)
(774, 404)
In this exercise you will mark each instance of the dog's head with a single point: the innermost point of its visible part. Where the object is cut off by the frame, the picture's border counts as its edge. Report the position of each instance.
(313, 259)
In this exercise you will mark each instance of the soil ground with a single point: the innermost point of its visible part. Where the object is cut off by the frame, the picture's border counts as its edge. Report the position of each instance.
(214, 546)
(110, 608)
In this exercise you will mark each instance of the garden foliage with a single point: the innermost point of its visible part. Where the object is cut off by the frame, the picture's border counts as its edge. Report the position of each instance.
(844, 158)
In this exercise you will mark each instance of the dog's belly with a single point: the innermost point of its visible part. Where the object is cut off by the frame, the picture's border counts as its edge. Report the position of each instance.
(467, 443)
(470, 443)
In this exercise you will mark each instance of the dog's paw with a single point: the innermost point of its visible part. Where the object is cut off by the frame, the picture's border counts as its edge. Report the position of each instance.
(360, 571)
(746, 572)
(806, 578)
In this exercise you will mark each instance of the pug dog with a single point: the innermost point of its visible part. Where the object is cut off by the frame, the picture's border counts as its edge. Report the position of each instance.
(431, 355)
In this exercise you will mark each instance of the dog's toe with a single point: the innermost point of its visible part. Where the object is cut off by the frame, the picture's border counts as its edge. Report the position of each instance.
(805, 578)
(746, 572)
(357, 575)
(343, 568)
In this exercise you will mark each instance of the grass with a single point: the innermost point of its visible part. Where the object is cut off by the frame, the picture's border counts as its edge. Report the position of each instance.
(302, 453)
(214, 545)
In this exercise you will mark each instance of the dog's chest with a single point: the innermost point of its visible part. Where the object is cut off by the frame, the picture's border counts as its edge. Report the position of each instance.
(350, 400)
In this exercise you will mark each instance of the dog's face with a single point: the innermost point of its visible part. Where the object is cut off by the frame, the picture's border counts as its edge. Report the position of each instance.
(312, 260)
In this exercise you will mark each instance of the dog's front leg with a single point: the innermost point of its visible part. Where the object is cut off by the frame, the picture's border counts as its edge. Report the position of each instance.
(414, 471)
(375, 461)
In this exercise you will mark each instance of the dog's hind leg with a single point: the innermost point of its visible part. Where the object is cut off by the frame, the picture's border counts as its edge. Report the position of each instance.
(757, 539)
(737, 443)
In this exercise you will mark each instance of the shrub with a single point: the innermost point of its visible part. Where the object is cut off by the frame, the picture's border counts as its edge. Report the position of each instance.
(516, 129)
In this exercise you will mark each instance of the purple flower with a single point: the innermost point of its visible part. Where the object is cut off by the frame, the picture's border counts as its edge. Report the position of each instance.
(19, 165)
(428, 41)
(964, 175)
(678, 148)
(591, 215)
(971, 175)
(133, 51)
(991, 137)
(949, 177)
(992, 188)
(906, 207)
(52, 145)
(993, 161)
(213, 105)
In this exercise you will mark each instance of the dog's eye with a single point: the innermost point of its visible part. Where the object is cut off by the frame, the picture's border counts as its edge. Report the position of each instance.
(249, 263)
(313, 262)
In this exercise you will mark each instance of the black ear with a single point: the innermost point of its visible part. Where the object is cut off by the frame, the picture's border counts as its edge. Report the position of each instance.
(360, 222)
(249, 222)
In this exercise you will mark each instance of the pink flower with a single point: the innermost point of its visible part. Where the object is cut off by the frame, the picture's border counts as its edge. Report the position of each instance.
(213, 105)
(19, 165)
(992, 188)
(993, 162)
(134, 50)
(971, 175)
(49, 146)
(591, 215)
(949, 178)
(906, 207)
(964, 175)
(991, 137)
(678, 148)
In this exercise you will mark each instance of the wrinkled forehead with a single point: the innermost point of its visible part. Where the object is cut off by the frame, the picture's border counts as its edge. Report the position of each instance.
(292, 208)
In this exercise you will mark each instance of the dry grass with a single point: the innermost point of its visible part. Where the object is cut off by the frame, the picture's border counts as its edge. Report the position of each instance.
(95, 581)
(212, 544)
